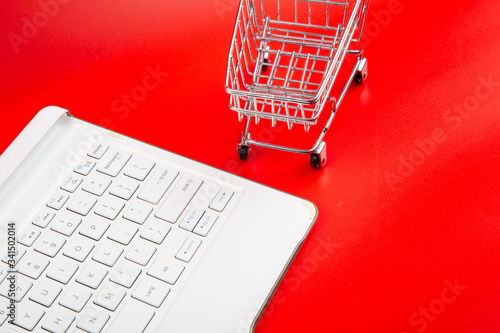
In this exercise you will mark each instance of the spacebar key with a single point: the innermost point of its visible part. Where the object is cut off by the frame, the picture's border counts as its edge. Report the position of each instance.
(179, 198)
(133, 317)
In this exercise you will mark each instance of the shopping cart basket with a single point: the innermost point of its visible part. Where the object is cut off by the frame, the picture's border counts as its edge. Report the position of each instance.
(283, 62)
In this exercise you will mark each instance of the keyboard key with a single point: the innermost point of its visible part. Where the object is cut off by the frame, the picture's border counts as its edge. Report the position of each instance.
(23, 286)
(113, 162)
(63, 270)
(139, 168)
(71, 183)
(141, 252)
(133, 317)
(92, 275)
(97, 184)
(75, 298)
(81, 203)
(109, 208)
(123, 232)
(85, 167)
(29, 235)
(3, 311)
(78, 248)
(44, 218)
(138, 212)
(221, 200)
(32, 265)
(108, 253)
(188, 249)
(49, 244)
(157, 185)
(58, 200)
(93, 320)
(124, 188)
(98, 151)
(156, 231)
(28, 316)
(46, 293)
(58, 321)
(206, 223)
(3, 272)
(94, 228)
(66, 223)
(125, 274)
(152, 292)
(166, 269)
(191, 219)
(179, 198)
(110, 297)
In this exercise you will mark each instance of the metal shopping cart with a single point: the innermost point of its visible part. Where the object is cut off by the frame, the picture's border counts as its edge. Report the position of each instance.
(284, 59)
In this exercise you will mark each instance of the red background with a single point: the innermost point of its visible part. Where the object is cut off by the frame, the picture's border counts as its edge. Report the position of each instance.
(409, 198)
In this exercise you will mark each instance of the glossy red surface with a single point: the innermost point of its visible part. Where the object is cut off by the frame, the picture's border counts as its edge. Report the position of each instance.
(408, 228)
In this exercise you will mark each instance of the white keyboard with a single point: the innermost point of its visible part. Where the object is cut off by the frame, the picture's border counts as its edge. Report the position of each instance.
(111, 246)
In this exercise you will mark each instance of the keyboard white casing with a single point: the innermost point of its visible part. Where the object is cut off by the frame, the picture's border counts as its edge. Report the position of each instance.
(232, 263)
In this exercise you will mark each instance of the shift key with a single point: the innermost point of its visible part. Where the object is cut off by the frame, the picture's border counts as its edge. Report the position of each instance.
(179, 198)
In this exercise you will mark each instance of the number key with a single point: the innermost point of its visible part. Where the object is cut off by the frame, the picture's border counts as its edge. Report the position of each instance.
(49, 244)
(32, 265)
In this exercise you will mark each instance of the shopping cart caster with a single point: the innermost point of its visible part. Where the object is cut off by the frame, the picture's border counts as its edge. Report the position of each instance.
(243, 151)
(318, 158)
(361, 71)
(265, 60)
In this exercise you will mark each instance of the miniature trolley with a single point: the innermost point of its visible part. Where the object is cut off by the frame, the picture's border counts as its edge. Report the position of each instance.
(283, 62)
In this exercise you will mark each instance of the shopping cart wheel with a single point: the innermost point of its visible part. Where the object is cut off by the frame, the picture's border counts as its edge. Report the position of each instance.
(361, 71)
(243, 151)
(264, 65)
(265, 60)
(315, 161)
(318, 158)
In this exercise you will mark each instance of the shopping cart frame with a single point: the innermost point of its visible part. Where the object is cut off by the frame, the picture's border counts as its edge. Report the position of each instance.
(294, 105)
